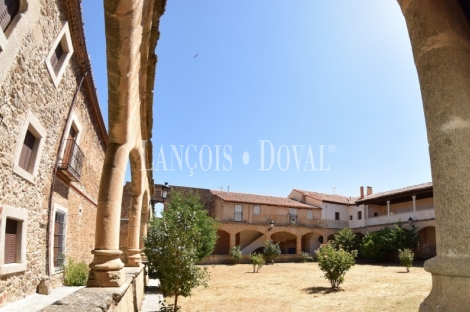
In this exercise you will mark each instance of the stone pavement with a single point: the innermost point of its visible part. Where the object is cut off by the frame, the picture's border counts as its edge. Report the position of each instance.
(153, 297)
(36, 302)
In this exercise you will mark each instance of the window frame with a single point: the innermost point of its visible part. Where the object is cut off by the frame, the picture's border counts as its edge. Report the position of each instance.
(65, 39)
(33, 125)
(235, 212)
(359, 215)
(5, 34)
(254, 209)
(64, 211)
(337, 216)
(20, 215)
(309, 214)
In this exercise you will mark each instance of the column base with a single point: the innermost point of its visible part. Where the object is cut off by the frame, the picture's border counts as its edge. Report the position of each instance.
(106, 270)
(134, 259)
(450, 280)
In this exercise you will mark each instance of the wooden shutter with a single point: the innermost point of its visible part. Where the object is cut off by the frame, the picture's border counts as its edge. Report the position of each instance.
(68, 147)
(8, 10)
(55, 58)
(10, 241)
(27, 150)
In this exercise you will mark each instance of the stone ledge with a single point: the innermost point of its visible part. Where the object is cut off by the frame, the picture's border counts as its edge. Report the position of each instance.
(95, 299)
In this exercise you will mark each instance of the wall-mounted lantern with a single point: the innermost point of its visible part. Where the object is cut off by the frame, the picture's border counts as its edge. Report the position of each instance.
(165, 189)
(410, 221)
(271, 225)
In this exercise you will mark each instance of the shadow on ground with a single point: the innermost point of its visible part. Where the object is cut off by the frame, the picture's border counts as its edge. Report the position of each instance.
(320, 290)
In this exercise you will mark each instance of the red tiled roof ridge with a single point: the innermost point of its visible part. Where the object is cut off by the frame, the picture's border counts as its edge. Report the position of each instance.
(336, 198)
(397, 191)
(261, 199)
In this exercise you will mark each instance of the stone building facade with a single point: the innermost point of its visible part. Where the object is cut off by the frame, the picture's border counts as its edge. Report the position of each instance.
(52, 144)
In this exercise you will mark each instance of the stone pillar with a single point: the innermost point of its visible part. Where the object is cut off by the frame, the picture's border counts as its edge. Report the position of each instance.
(298, 248)
(388, 209)
(134, 258)
(440, 39)
(414, 206)
(232, 240)
(106, 267)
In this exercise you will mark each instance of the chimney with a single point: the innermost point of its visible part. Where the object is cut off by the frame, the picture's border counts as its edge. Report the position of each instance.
(303, 198)
(369, 190)
(228, 190)
(362, 192)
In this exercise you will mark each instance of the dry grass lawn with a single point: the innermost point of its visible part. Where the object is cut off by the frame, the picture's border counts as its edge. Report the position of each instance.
(301, 287)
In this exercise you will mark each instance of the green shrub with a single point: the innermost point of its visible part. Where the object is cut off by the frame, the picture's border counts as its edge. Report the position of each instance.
(257, 261)
(347, 239)
(406, 257)
(306, 257)
(385, 242)
(75, 273)
(335, 263)
(236, 254)
(271, 251)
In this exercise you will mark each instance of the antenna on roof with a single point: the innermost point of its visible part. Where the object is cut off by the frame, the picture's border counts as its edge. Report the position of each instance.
(228, 190)
(221, 188)
(334, 188)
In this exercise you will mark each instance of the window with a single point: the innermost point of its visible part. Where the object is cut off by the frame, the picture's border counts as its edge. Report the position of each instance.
(376, 214)
(59, 240)
(256, 210)
(12, 239)
(8, 10)
(238, 214)
(29, 149)
(293, 211)
(359, 215)
(350, 217)
(309, 214)
(336, 215)
(60, 54)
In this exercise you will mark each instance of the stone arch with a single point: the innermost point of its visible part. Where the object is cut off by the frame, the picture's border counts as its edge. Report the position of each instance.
(426, 248)
(287, 242)
(311, 242)
(249, 240)
(222, 247)
(330, 237)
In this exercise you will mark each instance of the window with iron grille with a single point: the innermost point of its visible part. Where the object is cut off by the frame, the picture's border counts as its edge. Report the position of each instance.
(59, 240)
(238, 214)
(8, 11)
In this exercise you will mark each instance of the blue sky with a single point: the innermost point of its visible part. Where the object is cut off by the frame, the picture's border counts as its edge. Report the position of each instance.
(337, 74)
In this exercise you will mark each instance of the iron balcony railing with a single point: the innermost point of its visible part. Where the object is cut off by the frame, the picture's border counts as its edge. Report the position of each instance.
(72, 161)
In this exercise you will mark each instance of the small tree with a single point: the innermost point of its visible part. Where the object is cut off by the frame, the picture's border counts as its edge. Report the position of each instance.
(173, 247)
(335, 263)
(208, 231)
(406, 257)
(236, 254)
(346, 239)
(257, 261)
(271, 251)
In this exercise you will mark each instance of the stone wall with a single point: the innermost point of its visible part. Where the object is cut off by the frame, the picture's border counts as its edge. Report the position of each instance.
(27, 88)
(204, 194)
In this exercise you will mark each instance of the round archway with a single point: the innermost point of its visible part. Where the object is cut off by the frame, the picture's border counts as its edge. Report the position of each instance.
(311, 242)
(222, 247)
(427, 243)
(287, 242)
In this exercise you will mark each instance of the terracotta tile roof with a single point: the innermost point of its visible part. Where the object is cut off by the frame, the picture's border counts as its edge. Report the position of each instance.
(261, 200)
(331, 198)
(413, 188)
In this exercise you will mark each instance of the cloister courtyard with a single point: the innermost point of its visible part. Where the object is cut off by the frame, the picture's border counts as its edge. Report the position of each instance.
(302, 287)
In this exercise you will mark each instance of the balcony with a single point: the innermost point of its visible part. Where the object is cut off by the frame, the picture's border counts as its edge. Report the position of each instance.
(287, 220)
(71, 163)
(424, 214)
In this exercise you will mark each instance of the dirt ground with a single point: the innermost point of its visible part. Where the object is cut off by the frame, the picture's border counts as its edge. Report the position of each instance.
(302, 287)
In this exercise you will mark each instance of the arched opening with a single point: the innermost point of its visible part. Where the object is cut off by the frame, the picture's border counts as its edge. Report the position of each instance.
(427, 243)
(287, 242)
(331, 237)
(311, 242)
(249, 241)
(158, 210)
(222, 246)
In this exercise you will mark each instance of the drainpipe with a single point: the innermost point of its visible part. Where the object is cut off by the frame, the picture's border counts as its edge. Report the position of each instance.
(54, 173)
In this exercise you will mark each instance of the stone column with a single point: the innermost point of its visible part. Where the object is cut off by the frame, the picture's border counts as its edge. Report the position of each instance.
(298, 248)
(106, 268)
(414, 206)
(440, 39)
(232, 240)
(388, 210)
(134, 258)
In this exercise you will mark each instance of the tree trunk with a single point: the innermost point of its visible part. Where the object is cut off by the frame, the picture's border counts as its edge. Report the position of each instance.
(175, 308)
